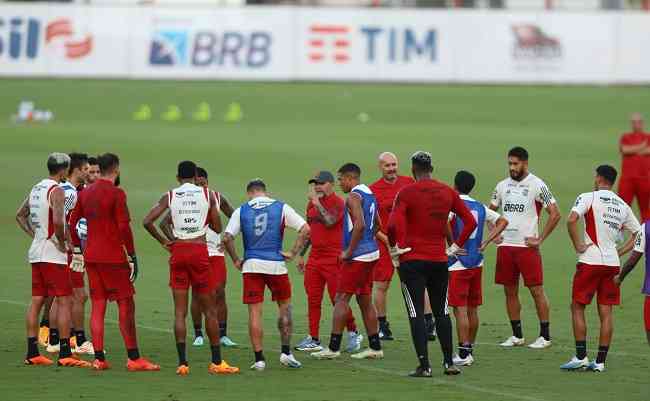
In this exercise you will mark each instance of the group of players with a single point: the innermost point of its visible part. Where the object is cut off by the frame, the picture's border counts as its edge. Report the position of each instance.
(431, 233)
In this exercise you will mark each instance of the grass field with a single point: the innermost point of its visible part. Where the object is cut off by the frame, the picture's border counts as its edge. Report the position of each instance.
(288, 132)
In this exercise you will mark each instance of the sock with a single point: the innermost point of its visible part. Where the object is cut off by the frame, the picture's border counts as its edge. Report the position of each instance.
(223, 329)
(99, 355)
(374, 342)
(198, 332)
(216, 354)
(286, 350)
(428, 318)
(382, 321)
(516, 328)
(471, 349)
(32, 347)
(602, 353)
(54, 336)
(316, 340)
(65, 351)
(45, 322)
(259, 356)
(80, 335)
(581, 349)
(443, 328)
(464, 350)
(544, 330)
(335, 342)
(182, 358)
(133, 354)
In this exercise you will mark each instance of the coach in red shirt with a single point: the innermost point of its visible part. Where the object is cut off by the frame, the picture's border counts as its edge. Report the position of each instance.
(109, 257)
(635, 174)
(419, 223)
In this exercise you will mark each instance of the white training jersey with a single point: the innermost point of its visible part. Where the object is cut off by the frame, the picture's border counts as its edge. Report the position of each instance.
(43, 248)
(521, 203)
(606, 215)
(213, 238)
(189, 205)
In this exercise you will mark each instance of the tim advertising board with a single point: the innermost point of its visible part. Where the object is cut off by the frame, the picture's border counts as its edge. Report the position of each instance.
(227, 43)
(61, 41)
(384, 45)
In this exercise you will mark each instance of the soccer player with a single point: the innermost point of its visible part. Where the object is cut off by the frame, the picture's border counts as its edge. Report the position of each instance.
(109, 259)
(42, 217)
(385, 190)
(218, 264)
(605, 215)
(417, 230)
(261, 221)
(465, 271)
(521, 197)
(360, 253)
(640, 247)
(325, 212)
(93, 170)
(634, 147)
(192, 209)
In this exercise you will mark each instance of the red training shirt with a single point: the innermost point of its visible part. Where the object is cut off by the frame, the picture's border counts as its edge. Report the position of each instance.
(420, 217)
(107, 215)
(385, 193)
(634, 165)
(326, 241)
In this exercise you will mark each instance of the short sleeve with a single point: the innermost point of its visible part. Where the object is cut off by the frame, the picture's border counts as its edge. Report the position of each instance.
(631, 224)
(543, 194)
(292, 219)
(234, 224)
(582, 204)
(495, 200)
(639, 241)
(491, 216)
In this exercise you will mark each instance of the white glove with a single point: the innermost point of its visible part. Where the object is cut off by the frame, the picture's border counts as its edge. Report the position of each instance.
(452, 250)
(77, 264)
(395, 252)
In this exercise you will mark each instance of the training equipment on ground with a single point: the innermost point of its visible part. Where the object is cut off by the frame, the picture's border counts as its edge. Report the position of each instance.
(234, 113)
(172, 114)
(143, 113)
(202, 113)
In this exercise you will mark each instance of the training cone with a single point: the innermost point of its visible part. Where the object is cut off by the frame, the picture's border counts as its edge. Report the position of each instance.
(143, 113)
(173, 113)
(202, 113)
(234, 113)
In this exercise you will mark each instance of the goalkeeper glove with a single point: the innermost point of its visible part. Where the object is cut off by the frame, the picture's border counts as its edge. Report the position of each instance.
(133, 265)
(77, 264)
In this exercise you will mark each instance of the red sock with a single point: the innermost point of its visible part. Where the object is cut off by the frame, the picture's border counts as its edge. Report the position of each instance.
(126, 309)
(97, 314)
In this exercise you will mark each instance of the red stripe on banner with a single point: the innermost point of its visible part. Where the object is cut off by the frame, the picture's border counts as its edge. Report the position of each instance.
(341, 58)
(341, 43)
(316, 57)
(316, 43)
(79, 49)
(329, 29)
(60, 27)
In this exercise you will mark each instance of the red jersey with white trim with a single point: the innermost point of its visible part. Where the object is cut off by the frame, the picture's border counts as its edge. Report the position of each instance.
(521, 203)
(420, 217)
(633, 166)
(385, 193)
(43, 248)
(104, 207)
(326, 241)
(606, 215)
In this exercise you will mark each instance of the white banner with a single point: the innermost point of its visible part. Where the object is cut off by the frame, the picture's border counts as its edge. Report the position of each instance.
(296, 43)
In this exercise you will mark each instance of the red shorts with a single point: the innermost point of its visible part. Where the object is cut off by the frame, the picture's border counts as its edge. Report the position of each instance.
(109, 281)
(384, 269)
(77, 279)
(217, 270)
(254, 284)
(189, 265)
(590, 279)
(646, 312)
(50, 280)
(513, 261)
(356, 278)
(465, 287)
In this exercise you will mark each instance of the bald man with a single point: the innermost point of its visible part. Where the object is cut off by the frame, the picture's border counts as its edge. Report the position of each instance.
(635, 175)
(385, 190)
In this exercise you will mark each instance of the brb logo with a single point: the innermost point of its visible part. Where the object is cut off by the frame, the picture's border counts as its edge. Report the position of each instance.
(531, 43)
(206, 48)
(22, 38)
(381, 44)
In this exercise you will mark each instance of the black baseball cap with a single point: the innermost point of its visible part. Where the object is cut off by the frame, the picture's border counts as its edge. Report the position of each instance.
(321, 177)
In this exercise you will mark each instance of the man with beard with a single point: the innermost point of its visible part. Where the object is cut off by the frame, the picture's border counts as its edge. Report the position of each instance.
(521, 197)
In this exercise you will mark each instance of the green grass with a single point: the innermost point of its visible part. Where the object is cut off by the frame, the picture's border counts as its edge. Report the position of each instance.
(288, 132)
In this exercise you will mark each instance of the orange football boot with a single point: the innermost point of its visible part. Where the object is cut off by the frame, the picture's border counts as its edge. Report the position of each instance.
(183, 370)
(222, 369)
(100, 365)
(73, 362)
(39, 360)
(141, 365)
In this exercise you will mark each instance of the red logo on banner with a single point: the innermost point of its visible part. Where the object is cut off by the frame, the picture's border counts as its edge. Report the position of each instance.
(329, 42)
(62, 27)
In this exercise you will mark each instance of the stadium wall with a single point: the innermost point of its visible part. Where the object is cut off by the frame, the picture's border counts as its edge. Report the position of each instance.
(296, 43)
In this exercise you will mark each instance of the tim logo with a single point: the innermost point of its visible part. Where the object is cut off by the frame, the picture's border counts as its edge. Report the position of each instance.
(169, 48)
(329, 42)
(22, 38)
(531, 43)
